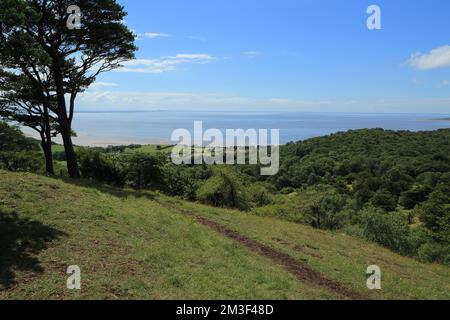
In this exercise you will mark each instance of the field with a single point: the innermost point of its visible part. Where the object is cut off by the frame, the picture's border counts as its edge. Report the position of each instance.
(143, 245)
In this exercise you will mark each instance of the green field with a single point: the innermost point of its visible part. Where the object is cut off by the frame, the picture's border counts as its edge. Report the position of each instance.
(149, 246)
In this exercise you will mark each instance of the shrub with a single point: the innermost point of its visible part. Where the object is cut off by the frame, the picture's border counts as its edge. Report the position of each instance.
(224, 189)
(435, 214)
(287, 190)
(259, 195)
(387, 229)
(434, 253)
(101, 167)
(144, 171)
(179, 182)
(18, 153)
(414, 196)
(326, 211)
(384, 200)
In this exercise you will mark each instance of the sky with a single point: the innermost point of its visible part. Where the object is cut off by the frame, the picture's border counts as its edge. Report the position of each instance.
(282, 55)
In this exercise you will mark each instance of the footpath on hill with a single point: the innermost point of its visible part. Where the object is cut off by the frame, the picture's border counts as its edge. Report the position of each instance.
(300, 270)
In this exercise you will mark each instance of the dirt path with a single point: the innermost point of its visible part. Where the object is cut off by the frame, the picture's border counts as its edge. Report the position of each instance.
(302, 271)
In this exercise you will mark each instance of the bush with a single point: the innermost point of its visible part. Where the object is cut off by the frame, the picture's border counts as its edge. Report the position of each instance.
(224, 189)
(326, 211)
(18, 153)
(434, 253)
(384, 200)
(26, 161)
(179, 182)
(416, 195)
(287, 190)
(101, 167)
(144, 171)
(387, 229)
(259, 195)
(435, 214)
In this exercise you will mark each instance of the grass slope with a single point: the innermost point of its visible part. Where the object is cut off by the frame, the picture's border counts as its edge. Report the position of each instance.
(142, 246)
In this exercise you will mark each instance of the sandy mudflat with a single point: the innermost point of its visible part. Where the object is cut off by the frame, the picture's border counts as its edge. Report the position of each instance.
(95, 141)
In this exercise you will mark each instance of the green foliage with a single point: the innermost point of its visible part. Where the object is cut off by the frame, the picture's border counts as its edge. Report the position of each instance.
(144, 171)
(35, 40)
(320, 206)
(326, 210)
(18, 153)
(414, 196)
(384, 199)
(387, 229)
(377, 166)
(260, 195)
(224, 189)
(178, 181)
(435, 214)
(101, 167)
(435, 253)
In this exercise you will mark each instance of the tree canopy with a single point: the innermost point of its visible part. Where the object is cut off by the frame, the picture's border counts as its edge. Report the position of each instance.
(60, 62)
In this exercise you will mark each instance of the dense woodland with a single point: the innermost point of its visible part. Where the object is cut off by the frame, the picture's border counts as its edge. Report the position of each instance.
(389, 187)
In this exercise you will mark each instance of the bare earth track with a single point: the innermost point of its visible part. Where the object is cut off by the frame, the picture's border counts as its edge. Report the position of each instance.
(301, 271)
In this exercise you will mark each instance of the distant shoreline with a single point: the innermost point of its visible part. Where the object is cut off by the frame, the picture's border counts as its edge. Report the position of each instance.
(131, 128)
(83, 140)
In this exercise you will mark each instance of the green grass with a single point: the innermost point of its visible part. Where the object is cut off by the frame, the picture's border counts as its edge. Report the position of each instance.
(152, 149)
(340, 256)
(127, 246)
(131, 245)
(57, 148)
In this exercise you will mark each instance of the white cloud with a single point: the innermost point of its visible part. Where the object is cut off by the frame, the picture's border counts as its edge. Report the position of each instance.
(436, 58)
(153, 35)
(149, 35)
(163, 64)
(98, 85)
(140, 100)
(445, 83)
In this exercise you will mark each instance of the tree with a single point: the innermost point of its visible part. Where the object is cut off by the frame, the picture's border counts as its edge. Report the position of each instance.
(325, 210)
(224, 189)
(144, 170)
(414, 196)
(19, 103)
(385, 200)
(59, 61)
(435, 214)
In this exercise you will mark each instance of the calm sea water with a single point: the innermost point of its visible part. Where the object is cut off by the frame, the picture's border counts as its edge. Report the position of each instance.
(157, 126)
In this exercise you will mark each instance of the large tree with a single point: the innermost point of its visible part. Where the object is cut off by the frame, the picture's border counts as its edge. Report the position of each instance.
(38, 39)
(20, 103)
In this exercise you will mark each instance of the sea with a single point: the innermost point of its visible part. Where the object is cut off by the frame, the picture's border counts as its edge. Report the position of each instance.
(155, 127)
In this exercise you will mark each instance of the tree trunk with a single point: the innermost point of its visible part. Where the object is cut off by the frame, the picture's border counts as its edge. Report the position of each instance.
(47, 148)
(64, 123)
(46, 143)
(71, 157)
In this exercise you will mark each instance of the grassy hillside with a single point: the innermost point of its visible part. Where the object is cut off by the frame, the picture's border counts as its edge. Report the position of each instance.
(148, 246)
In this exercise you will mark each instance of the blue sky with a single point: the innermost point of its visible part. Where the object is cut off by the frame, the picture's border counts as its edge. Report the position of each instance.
(282, 55)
